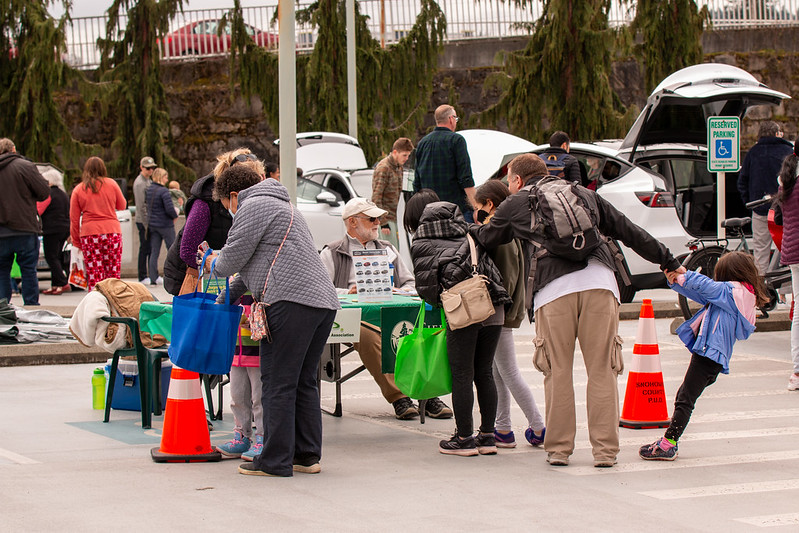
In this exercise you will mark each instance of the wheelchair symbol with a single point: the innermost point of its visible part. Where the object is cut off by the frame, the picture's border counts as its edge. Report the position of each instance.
(724, 148)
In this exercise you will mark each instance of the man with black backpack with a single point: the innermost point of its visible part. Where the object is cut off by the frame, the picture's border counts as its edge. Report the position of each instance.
(559, 162)
(572, 263)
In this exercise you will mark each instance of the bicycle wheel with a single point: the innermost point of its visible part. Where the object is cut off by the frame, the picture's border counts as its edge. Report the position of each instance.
(703, 261)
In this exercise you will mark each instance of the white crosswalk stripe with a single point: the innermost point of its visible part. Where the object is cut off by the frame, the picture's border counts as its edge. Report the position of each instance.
(684, 462)
(775, 520)
(723, 490)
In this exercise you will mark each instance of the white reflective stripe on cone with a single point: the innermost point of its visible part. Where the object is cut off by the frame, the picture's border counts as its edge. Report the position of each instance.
(184, 389)
(643, 364)
(647, 333)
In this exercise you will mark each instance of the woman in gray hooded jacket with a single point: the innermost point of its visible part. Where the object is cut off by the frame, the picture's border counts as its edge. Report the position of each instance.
(270, 237)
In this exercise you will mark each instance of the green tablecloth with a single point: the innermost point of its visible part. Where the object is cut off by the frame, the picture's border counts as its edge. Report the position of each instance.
(395, 320)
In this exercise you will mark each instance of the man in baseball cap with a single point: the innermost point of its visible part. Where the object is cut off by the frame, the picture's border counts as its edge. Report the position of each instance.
(362, 220)
(140, 185)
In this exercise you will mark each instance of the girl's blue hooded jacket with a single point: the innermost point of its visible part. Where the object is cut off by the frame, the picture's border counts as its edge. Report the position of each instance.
(729, 315)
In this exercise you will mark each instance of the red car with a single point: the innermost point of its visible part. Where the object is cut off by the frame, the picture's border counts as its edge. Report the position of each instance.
(200, 38)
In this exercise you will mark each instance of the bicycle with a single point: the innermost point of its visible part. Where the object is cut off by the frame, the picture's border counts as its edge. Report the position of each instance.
(705, 253)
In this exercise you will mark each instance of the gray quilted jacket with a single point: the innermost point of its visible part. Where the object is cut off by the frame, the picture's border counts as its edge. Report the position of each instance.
(258, 229)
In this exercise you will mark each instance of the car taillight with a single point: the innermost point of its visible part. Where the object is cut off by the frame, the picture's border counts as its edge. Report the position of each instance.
(656, 198)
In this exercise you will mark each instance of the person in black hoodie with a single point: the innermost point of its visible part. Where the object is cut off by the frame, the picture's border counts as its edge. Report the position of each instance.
(206, 220)
(54, 213)
(442, 259)
(161, 213)
(23, 186)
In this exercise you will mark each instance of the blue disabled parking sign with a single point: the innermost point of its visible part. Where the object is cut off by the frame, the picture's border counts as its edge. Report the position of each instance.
(723, 144)
(723, 148)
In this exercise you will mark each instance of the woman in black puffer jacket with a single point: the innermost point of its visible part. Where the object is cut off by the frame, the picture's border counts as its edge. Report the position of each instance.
(441, 259)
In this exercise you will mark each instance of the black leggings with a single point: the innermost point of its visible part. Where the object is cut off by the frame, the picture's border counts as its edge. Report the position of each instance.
(53, 245)
(702, 372)
(471, 356)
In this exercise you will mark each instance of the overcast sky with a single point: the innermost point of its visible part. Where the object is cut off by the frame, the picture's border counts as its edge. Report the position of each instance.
(93, 8)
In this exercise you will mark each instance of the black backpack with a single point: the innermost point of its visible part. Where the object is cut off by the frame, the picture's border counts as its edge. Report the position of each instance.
(556, 164)
(562, 221)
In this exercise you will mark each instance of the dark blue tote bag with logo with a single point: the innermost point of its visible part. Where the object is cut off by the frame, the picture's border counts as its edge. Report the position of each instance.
(203, 332)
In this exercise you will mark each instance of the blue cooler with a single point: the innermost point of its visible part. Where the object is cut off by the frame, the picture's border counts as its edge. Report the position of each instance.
(126, 386)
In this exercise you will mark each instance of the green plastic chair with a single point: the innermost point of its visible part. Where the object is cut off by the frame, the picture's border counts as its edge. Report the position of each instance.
(148, 362)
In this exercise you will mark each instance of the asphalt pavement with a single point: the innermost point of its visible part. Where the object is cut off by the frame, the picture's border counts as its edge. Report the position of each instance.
(738, 468)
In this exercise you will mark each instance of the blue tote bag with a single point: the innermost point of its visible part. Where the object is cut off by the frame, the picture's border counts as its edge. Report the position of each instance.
(203, 332)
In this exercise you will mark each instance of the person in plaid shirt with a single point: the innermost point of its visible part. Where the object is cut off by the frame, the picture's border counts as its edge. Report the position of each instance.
(442, 163)
(387, 187)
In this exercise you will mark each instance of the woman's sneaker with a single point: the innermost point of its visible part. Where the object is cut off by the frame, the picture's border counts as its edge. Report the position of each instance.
(458, 446)
(486, 444)
(235, 447)
(660, 450)
(532, 438)
(505, 440)
(793, 382)
(256, 449)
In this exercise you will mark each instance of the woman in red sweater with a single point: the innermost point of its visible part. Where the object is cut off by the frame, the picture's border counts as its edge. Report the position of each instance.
(94, 226)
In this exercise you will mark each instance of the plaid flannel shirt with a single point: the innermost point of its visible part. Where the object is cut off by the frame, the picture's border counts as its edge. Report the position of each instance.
(387, 187)
(442, 164)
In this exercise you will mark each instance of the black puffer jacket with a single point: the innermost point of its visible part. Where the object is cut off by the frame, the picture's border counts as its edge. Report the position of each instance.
(441, 256)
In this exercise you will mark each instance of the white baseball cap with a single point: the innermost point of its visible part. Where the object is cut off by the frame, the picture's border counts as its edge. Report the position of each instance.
(356, 206)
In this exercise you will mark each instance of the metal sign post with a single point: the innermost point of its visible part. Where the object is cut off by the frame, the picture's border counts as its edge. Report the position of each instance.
(723, 155)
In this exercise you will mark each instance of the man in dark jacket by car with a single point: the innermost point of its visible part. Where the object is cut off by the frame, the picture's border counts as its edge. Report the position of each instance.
(560, 163)
(574, 300)
(758, 177)
(22, 187)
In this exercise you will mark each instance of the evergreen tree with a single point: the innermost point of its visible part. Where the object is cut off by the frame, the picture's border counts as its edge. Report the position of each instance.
(561, 80)
(669, 36)
(32, 71)
(394, 85)
(131, 63)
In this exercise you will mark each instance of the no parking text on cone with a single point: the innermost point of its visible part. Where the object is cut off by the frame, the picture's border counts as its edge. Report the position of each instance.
(645, 399)
(185, 438)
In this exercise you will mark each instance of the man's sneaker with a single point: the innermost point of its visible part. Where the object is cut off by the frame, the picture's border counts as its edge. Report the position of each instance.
(458, 446)
(435, 408)
(486, 444)
(605, 463)
(660, 450)
(159, 281)
(793, 382)
(555, 460)
(235, 447)
(505, 440)
(145, 281)
(532, 438)
(256, 449)
(404, 409)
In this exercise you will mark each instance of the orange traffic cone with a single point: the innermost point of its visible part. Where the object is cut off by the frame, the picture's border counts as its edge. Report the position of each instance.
(185, 438)
(645, 399)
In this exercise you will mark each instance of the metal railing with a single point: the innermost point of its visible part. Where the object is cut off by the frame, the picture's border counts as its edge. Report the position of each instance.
(193, 33)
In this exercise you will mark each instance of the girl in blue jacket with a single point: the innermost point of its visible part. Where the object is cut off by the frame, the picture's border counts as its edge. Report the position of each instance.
(728, 315)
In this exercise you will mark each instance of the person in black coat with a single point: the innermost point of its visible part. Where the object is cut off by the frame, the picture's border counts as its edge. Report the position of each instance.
(54, 212)
(442, 259)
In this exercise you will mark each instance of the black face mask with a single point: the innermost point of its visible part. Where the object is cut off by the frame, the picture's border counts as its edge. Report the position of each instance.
(480, 216)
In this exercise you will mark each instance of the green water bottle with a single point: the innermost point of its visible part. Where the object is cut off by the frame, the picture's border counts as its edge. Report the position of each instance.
(98, 389)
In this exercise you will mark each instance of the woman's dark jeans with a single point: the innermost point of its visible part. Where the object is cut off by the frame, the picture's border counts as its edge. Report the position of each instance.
(471, 356)
(290, 394)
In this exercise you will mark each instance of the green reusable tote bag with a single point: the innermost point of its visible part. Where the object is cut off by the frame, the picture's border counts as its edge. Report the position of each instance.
(422, 368)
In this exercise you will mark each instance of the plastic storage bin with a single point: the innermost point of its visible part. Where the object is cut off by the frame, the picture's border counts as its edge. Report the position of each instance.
(126, 386)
